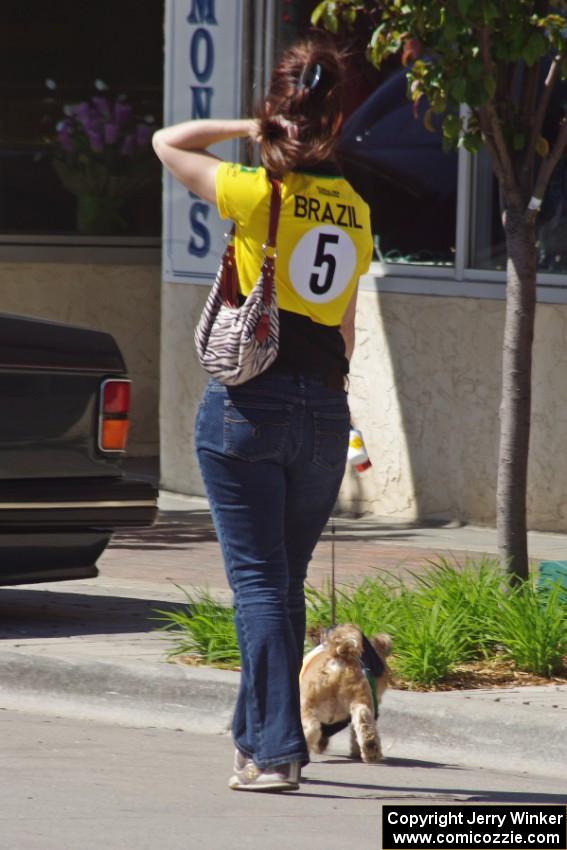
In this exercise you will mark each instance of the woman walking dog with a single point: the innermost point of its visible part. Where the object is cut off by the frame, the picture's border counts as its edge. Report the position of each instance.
(272, 450)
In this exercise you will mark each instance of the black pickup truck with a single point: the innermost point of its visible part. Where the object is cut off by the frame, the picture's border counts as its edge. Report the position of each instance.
(64, 408)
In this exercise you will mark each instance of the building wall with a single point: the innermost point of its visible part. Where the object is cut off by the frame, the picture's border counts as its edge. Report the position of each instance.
(122, 300)
(425, 391)
(182, 381)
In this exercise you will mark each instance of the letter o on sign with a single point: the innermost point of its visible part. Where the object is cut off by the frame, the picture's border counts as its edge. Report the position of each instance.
(202, 53)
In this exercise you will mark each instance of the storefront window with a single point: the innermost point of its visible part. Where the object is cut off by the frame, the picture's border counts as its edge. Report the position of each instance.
(400, 168)
(488, 246)
(80, 93)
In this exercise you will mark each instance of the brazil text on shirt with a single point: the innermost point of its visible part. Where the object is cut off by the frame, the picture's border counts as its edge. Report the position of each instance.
(324, 237)
(343, 215)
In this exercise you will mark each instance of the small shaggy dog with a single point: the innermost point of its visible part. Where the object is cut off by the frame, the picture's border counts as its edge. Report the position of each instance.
(341, 682)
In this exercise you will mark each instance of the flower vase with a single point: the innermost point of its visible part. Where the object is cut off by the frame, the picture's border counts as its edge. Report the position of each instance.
(100, 215)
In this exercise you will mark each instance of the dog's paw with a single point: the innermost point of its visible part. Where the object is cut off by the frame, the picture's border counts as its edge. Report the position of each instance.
(371, 753)
(354, 748)
(321, 745)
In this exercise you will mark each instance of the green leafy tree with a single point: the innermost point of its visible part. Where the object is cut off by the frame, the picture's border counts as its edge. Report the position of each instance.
(502, 61)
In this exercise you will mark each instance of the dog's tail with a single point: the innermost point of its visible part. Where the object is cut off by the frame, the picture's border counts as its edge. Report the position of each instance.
(382, 644)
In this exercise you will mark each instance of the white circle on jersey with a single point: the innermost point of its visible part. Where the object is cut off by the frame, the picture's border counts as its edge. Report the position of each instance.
(322, 263)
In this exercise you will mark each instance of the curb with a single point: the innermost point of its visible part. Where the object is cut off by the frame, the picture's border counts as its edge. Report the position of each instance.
(477, 729)
(151, 693)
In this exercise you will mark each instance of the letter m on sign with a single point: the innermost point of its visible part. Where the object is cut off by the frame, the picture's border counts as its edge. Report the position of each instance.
(202, 12)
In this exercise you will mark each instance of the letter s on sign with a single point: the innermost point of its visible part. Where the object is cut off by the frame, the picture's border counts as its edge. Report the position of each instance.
(197, 212)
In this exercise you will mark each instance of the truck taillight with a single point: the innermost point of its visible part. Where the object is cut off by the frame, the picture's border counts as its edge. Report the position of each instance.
(114, 412)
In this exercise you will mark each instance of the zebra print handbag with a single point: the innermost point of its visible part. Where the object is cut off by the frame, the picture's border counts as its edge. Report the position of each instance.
(236, 343)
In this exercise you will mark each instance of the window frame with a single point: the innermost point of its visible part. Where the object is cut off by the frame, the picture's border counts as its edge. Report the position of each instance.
(106, 250)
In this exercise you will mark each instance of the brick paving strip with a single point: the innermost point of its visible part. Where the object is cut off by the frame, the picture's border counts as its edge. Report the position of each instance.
(182, 549)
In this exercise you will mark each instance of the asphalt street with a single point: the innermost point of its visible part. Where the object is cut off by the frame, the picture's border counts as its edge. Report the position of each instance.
(103, 743)
(72, 785)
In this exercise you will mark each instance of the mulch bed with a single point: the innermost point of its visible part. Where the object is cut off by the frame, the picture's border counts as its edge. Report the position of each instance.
(490, 673)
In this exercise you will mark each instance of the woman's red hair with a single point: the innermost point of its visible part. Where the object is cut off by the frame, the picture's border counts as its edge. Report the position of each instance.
(306, 91)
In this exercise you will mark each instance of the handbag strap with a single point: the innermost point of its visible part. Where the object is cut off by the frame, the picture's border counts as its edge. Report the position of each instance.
(229, 280)
(275, 206)
(269, 246)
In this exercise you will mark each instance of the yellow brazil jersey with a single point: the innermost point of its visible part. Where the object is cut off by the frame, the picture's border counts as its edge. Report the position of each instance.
(324, 240)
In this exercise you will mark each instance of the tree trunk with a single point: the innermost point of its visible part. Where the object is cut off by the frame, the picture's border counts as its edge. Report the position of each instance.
(515, 410)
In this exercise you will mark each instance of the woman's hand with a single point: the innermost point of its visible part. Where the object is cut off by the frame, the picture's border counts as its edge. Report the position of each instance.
(290, 128)
(254, 133)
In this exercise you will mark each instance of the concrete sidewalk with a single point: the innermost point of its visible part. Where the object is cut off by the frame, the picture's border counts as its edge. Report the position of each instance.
(88, 649)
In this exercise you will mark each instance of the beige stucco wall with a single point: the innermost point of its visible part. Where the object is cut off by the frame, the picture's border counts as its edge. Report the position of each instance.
(182, 381)
(425, 391)
(122, 300)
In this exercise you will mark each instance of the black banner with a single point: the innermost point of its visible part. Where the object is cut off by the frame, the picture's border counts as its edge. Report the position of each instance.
(483, 827)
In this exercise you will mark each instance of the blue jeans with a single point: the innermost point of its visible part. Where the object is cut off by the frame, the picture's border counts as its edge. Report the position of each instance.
(272, 454)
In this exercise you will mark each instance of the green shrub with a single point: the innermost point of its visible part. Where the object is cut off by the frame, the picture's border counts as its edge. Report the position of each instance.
(203, 629)
(468, 594)
(531, 628)
(370, 605)
(446, 617)
(429, 640)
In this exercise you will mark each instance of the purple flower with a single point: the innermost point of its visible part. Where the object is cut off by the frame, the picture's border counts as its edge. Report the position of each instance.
(96, 140)
(127, 145)
(111, 133)
(64, 139)
(81, 108)
(143, 135)
(122, 113)
(83, 113)
(102, 105)
(101, 124)
(93, 125)
(64, 130)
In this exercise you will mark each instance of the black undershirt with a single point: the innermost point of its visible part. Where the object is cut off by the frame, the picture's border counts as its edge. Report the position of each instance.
(308, 347)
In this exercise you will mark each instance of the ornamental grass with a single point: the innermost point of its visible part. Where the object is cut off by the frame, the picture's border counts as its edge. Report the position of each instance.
(452, 625)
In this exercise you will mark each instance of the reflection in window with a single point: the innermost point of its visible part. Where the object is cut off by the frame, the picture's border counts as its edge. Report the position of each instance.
(54, 58)
(552, 221)
(488, 244)
(401, 170)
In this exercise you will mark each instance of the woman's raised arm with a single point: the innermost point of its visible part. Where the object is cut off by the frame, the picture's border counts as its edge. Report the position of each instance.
(182, 148)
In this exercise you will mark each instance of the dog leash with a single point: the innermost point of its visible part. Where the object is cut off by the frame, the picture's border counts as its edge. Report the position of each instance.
(333, 601)
(372, 664)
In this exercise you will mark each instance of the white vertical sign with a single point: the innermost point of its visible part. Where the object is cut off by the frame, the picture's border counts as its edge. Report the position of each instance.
(203, 50)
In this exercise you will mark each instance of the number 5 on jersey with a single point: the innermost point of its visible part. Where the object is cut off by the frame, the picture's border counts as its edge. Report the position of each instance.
(322, 263)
